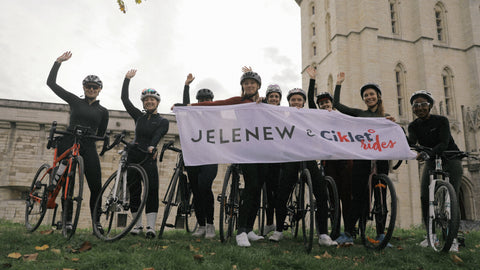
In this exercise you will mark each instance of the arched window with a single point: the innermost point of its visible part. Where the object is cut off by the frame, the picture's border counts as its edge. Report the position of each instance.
(328, 32)
(440, 22)
(312, 8)
(400, 87)
(394, 16)
(314, 49)
(330, 83)
(447, 80)
(313, 30)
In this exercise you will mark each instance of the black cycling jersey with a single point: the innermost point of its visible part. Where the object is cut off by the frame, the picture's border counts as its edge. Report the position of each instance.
(433, 132)
(310, 94)
(92, 115)
(351, 111)
(149, 128)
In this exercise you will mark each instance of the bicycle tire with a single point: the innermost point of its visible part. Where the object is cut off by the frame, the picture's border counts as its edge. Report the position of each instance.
(291, 206)
(113, 206)
(381, 219)
(445, 223)
(307, 209)
(333, 207)
(262, 210)
(229, 204)
(36, 202)
(296, 214)
(74, 197)
(188, 210)
(169, 202)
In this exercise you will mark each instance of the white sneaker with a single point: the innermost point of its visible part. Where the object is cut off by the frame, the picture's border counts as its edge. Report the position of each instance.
(242, 240)
(210, 231)
(253, 236)
(269, 228)
(276, 236)
(325, 240)
(136, 230)
(150, 233)
(199, 232)
(454, 247)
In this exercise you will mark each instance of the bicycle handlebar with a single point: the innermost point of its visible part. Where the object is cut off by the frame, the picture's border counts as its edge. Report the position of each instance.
(119, 138)
(79, 131)
(168, 145)
(428, 153)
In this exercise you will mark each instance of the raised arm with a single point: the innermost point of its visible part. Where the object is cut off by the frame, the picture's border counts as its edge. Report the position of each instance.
(186, 89)
(52, 79)
(131, 109)
(336, 98)
(312, 72)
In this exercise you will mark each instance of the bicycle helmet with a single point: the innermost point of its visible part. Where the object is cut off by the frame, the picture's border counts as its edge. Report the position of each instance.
(92, 79)
(422, 93)
(204, 93)
(324, 95)
(251, 75)
(150, 92)
(374, 86)
(296, 91)
(273, 88)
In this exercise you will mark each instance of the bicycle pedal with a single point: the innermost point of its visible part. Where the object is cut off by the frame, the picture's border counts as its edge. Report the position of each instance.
(169, 225)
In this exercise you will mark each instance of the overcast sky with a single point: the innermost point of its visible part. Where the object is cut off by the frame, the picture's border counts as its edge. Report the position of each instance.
(164, 40)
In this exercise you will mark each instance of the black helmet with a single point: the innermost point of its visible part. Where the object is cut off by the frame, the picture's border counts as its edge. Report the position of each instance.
(204, 93)
(324, 95)
(370, 85)
(273, 88)
(422, 93)
(93, 79)
(296, 91)
(251, 75)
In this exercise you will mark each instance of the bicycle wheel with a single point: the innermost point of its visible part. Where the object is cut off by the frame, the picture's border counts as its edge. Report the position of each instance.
(333, 207)
(73, 201)
(169, 200)
(229, 204)
(294, 208)
(113, 207)
(444, 221)
(36, 202)
(262, 210)
(187, 206)
(378, 222)
(307, 210)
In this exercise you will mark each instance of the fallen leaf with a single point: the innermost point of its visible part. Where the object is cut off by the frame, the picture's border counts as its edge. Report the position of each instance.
(477, 246)
(400, 248)
(456, 259)
(85, 246)
(198, 240)
(55, 250)
(192, 248)
(198, 257)
(44, 247)
(47, 232)
(149, 268)
(286, 251)
(234, 267)
(75, 259)
(136, 245)
(14, 255)
(317, 257)
(326, 255)
(212, 253)
(30, 257)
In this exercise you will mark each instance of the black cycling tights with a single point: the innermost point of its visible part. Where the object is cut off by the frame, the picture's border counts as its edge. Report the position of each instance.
(201, 179)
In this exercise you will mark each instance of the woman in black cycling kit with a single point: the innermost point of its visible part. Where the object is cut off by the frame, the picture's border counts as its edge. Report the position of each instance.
(201, 177)
(296, 98)
(372, 96)
(85, 112)
(339, 170)
(150, 127)
(433, 131)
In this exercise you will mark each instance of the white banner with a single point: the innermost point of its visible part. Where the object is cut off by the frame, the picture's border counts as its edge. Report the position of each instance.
(261, 133)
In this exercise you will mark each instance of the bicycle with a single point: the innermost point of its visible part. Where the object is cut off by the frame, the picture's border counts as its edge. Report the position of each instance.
(67, 172)
(179, 193)
(444, 208)
(229, 203)
(113, 205)
(301, 207)
(377, 223)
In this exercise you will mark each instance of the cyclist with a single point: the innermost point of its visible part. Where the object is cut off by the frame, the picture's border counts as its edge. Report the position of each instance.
(254, 174)
(85, 112)
(273, 96)
(372, 97)
(297, 98)
(339, 170)
(150, 127)
(201, 177)
(433, 131)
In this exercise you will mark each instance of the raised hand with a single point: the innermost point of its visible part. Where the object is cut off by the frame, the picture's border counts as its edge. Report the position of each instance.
(312, 72)
(131, 73)
(64, 57)
(340, 78)
(246, 69)
(189, 79)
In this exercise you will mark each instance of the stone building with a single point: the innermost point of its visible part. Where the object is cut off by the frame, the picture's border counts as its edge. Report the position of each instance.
(403, 46)
(24, 129)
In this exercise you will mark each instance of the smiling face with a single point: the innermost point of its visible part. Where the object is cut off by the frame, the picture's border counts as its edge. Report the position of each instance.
(250, 87)
(91, 91)
(296, 101)
(370, 97)
(150, 104)
(273, 98)
(325, 104)
(421, 107)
